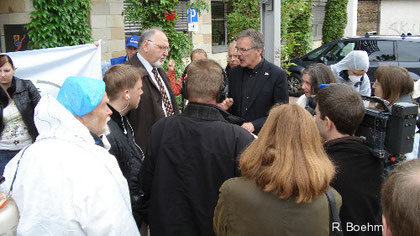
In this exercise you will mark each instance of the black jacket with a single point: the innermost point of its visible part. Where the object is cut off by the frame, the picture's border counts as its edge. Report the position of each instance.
(270, 89)
(358, 179)
(188, 158)
(129, 156)
(26, 97)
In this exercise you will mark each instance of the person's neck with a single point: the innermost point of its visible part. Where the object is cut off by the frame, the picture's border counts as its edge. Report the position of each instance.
(6, 86)
(120, 105)
(335, 135)
(203, 101)
(255, 64)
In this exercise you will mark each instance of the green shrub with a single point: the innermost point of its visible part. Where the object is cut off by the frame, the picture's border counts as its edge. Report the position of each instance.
(245, 14)
(57, 23)
(151, 14)
(335, 20)
(296, 29)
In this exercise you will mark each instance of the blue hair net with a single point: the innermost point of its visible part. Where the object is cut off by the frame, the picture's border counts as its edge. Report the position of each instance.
(80, 95)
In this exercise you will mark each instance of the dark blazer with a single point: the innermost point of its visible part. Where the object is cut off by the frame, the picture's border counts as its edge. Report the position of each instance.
(150, 107)
(270, 88)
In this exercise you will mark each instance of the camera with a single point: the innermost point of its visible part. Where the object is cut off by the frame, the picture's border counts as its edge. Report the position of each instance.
(389, 132)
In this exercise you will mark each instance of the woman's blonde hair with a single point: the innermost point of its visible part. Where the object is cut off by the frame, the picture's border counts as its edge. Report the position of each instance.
(288, 158)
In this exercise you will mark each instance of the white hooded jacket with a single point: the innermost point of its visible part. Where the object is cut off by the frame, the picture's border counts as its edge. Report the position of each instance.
(355, 60)
(65, 184)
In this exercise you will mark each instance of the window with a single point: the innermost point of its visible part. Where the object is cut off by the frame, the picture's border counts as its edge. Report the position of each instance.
(408, 51)
(339, 51)
(218, 26)
(377, 50)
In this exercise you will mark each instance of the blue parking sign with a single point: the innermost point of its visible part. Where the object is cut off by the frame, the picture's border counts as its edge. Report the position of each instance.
(192, 15)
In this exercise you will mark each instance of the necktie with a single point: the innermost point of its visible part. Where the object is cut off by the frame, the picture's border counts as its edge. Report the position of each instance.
(166, 103)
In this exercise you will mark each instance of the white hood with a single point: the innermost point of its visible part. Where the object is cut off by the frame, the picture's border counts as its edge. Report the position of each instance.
(355, 60)
(54, 120)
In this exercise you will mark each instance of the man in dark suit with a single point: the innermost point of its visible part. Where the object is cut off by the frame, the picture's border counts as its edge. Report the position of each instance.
(256, 85)
(158, 100)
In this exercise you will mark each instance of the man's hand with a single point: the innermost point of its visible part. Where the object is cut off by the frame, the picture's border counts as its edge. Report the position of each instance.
(248, 126)
(171, 64)
(226, 104)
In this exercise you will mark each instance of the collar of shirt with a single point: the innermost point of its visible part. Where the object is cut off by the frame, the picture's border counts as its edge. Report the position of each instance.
(146, 65)
(256, 68)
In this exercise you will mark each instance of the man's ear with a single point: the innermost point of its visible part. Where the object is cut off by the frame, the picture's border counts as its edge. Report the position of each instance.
(259, 50)
(386, 231)
(329, 124)
(124, 95)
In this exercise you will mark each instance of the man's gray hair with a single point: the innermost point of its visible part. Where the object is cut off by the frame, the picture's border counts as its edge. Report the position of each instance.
(147, 35)
(257, 38)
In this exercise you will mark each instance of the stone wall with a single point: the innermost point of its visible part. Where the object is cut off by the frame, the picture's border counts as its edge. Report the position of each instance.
(367, 16)
(108, 25)
(399, 17)
(203, 37)
(13, 12)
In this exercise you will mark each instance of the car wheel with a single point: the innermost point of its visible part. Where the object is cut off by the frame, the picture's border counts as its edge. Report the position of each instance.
(294, 83)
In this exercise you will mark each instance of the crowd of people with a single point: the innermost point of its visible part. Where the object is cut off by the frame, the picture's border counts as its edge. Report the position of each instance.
(118, 157)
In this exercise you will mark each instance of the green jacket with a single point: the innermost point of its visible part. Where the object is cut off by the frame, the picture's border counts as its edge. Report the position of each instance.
(244, 209)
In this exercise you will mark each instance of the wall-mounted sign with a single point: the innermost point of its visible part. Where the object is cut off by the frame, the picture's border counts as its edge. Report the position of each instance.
(16, 38)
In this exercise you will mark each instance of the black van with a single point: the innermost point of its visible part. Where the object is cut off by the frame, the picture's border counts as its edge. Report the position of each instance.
(382, 50)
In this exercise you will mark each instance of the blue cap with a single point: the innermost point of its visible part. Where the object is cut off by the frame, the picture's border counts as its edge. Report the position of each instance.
(132, 41)
(80, 95)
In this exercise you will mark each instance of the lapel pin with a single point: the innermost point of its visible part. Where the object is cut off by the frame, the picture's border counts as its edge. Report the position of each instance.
(266, 73)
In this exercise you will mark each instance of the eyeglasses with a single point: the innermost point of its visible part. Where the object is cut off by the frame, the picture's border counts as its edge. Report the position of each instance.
(242, 50)
(161, 47)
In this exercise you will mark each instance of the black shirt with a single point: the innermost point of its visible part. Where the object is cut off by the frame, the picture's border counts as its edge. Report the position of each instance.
(249, 78)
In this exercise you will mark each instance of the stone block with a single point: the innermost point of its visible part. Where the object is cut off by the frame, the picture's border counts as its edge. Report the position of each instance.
(117, 33)
(104, 34)
(197, 39)
(116, 8)
(116, 45)
(94, 1)
(4, 19)
(19, 18)
(98, 21)
(207, 39)
(16, 6)
(205, 28)
(118, 54)
(115, 21)
(29, 7)
(105, 56)
(100, 8)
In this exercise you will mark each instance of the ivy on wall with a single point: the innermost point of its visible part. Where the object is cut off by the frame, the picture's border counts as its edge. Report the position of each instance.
(245, 14)
(335, 20)
(57, 23)
(296, 29)
(152, 13)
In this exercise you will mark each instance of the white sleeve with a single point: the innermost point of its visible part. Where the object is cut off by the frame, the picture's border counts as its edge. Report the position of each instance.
(102, 202)
(365, 89)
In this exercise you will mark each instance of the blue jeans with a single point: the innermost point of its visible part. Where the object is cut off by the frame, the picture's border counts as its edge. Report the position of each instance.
(5, 157)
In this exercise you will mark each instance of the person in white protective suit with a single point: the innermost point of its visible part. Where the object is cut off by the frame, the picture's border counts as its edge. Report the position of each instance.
(351, 70)
(64, 183)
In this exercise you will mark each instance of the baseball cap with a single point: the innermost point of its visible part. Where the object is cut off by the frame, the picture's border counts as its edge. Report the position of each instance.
(132, 41)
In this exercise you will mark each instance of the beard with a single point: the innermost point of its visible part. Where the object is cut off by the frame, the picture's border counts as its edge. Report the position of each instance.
(158, 63)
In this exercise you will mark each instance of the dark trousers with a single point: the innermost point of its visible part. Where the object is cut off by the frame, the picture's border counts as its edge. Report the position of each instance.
(5, 157)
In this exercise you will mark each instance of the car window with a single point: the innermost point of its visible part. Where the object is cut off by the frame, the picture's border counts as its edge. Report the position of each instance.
(377, 50)
(339, 51)
(313, 55)
(408, 51)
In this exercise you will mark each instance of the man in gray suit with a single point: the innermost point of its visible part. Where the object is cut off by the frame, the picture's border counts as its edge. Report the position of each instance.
(158, 100)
